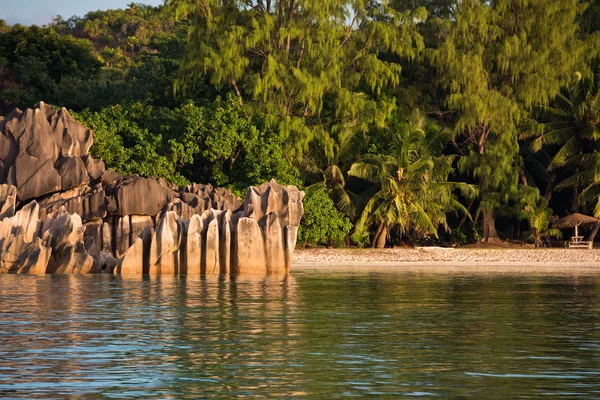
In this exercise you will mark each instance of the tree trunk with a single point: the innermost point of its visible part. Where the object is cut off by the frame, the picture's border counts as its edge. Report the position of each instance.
(464, 217)
(489, 227)
(550, 187)
(593, 232)
(380, 237)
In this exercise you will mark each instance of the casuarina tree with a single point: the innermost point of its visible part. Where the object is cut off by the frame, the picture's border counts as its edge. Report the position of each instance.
(496, 60)
(314, 67)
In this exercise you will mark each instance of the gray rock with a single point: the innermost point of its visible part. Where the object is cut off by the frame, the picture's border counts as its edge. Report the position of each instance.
(94, 168)
(73, 173)
(192, 259)
(140, 196)
(33, 142)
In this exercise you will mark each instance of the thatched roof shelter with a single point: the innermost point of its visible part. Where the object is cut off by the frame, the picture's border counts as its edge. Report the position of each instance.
(574, 220)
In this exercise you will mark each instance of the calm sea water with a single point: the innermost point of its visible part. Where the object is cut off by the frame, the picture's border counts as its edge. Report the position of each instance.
(344, 333)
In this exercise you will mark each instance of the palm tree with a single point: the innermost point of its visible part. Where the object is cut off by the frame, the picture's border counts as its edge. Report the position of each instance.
(326, 162)
(571, 136)
(411, 192)
(539, 216)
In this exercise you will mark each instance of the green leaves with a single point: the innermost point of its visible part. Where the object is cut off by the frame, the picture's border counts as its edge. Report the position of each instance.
(412, 189)
(39, 59)
(218, 144)
(539, 216)
(310, 67)
(497, 60)
(140, 139)
(321, 222)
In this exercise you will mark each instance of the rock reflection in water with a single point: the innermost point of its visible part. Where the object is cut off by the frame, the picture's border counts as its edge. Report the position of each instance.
(354, 333)
(146, 337)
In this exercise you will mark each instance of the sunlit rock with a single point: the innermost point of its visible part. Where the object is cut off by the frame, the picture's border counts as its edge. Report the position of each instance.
(74, 216)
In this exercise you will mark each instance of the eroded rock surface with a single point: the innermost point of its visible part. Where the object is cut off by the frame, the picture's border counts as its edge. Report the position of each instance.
(62, 212)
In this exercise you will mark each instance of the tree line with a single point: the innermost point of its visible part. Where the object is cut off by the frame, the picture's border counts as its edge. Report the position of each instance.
(406, 121)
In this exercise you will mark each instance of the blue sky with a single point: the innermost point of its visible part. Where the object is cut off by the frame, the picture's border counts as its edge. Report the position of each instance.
(41, 12)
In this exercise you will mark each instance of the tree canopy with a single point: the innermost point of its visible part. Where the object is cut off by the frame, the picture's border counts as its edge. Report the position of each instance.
(314, 68)
(497, 60)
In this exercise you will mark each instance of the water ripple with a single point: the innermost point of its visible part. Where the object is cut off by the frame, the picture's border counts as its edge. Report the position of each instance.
(350, 334)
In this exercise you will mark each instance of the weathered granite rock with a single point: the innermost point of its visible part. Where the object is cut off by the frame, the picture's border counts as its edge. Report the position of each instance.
(55, 245)
(225, 242)
(165, 245)
(193, 246)
(41, 151)
(87, 201)
(19, 256)
(8, 201)
(62, 212)
(73, 173)
(210, 243)
(136, 260)
(140, 196)
(249, 247)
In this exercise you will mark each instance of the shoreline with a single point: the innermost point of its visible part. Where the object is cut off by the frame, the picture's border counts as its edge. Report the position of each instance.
(451, 259)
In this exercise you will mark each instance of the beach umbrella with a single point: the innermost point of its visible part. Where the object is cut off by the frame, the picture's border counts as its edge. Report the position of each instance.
(574, 220)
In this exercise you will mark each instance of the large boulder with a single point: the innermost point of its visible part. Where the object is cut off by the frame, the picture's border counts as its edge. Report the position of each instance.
(8, 201)
(140, 196)
(41, 150)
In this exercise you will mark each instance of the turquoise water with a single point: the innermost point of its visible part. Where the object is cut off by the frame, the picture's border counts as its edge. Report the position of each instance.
(386, 333)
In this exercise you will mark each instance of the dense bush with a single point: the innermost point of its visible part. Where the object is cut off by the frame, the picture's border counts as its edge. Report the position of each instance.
(216, 144)
(322, 223)
(129, 140)
(34, 61)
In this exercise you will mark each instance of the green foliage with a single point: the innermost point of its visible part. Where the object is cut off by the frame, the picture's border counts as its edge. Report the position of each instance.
(589, 21)
(411, 191)
(459, 236)
(238, 150)
(137, 48)
(39, 59)
(539, 216)
(139, 139)
(569, 135)
(58, 55)
(322, 223)
(314, 68)
(497, 60)
(219, 144)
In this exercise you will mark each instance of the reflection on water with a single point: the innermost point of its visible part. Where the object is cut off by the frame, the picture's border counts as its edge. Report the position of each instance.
(344, 333)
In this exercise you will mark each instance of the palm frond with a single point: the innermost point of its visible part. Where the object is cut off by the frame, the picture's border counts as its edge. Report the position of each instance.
(597, 209)
(368, 171)
(420, 219)
(552, 137)
(458, 206)
(580, 179)
(570, 148)
(589, 194)
(343, 201)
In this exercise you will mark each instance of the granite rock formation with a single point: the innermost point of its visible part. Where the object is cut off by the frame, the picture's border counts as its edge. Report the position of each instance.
(61, 211)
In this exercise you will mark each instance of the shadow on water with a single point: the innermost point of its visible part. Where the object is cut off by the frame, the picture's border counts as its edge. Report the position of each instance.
(311, 334)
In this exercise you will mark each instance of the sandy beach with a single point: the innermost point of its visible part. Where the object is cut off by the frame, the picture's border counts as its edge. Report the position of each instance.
(451, 258)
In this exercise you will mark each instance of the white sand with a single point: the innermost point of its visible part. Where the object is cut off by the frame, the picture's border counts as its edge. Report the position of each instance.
(434, 258)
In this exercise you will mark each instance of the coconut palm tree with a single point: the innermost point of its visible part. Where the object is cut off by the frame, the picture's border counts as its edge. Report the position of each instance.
(412, 192)
(571, 136)
(326, 162)
(539, 217)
